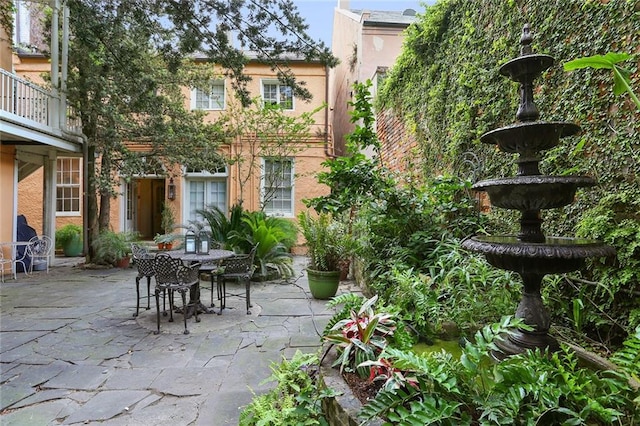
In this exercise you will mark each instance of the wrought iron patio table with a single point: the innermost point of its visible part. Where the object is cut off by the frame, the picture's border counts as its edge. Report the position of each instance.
(212, 256)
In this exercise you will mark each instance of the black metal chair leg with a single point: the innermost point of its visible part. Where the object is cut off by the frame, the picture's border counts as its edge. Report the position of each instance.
(248, 295)
(171, 304)
(183, 293)
(137, 297)
(223, 296)
(157, 311)
(164, 302)
(212, 278)
(148, 292)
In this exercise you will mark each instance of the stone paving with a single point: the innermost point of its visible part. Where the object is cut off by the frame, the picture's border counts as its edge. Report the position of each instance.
(71, 351)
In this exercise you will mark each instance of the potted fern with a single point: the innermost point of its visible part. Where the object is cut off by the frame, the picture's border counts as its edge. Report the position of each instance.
(113, 248)
(69, 238)
(329, 246)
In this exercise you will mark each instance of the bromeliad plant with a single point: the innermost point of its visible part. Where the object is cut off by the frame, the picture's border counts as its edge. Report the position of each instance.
(361, 337)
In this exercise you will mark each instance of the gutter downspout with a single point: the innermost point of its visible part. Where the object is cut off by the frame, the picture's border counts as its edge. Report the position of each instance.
(85, 195)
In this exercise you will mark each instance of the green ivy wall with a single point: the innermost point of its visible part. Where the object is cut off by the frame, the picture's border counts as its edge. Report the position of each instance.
(447, 88)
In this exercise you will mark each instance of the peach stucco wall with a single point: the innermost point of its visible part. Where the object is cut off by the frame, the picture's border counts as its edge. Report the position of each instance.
(7, 170)
(361, 50)
(307, 162)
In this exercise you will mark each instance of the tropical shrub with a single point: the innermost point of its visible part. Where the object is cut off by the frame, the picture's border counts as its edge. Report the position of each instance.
(270, 235)
(531, 388)
(112, 246)
(243, 230)
(460, 288)
(296, 399)
(406, 224)
(67, 234)
(220, 225)
(328, 242)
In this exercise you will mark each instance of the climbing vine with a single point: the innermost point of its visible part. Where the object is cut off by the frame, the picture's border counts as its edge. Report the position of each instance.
(446, 86)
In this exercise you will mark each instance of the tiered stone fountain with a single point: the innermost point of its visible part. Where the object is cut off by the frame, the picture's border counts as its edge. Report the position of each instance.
(530, 253)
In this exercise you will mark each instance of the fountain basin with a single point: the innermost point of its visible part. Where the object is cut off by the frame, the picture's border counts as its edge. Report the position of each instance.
(529, 137)
(556, 255)
(525, 66)
(533, 192)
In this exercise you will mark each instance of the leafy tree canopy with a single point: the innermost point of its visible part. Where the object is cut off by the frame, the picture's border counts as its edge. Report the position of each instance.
(223, 31)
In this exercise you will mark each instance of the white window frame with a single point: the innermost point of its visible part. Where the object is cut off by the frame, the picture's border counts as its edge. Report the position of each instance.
(271, 211)
(212, 106)
(206, 177)
(279, 87)
(76, 167)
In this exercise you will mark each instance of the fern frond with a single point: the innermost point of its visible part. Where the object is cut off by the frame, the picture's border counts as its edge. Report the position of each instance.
(353, 299)
(387, 401)
(628, 357)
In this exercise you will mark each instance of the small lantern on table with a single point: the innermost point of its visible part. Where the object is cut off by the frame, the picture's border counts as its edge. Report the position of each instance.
(203, 244)
(190, 242)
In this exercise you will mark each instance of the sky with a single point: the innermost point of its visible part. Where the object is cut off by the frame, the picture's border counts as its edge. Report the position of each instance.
(319, 13)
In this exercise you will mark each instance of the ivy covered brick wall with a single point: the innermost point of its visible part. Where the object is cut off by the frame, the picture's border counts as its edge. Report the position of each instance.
(446, 88)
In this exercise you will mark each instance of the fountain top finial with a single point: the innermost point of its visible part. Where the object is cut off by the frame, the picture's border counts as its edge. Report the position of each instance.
(525, 41)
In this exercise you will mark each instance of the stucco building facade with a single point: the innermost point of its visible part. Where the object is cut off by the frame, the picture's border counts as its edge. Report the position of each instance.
(367, 42)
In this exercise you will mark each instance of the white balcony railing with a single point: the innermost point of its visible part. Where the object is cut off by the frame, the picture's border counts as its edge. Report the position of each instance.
(33, 103)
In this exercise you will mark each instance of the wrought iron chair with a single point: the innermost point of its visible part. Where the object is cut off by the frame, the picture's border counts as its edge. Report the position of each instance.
(40, 251)
(139, 251)
(238, 268)
(144, 261)
(212, 269)
(171, 276)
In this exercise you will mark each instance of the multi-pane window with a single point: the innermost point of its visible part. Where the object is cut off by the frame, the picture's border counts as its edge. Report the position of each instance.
(211, 99)
(277, 186)
(276, 94)
(68, 181)
(206, 190)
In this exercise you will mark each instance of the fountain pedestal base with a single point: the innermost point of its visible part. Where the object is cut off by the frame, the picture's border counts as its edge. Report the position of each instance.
(520, 341)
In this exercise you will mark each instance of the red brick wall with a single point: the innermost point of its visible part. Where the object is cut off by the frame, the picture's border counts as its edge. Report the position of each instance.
(399, 148)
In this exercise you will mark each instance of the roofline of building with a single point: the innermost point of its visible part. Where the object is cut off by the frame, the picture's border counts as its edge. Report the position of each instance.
(369, 23)
(253, 58)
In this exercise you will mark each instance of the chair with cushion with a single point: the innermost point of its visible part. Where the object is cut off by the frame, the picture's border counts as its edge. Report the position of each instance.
(144, 261)
(237, 268)
(39, 250)
(171, 276)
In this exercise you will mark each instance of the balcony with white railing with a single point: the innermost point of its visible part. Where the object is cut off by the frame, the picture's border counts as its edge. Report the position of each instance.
(27, 104)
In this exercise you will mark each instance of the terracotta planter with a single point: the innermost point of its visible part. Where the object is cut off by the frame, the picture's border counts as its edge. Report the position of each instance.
(124, 262)
(323, 284)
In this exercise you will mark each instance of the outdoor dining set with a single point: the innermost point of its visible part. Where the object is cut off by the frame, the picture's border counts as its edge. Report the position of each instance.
(177, 271)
